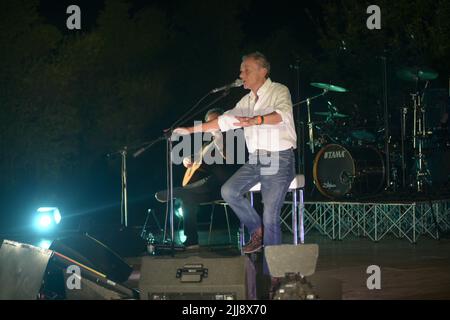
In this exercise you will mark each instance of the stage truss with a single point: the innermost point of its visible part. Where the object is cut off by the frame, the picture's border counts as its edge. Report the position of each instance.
(402, 220)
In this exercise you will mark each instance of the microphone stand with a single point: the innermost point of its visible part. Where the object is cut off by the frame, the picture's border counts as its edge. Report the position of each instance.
(123, 173)
(147, 145)
(169, 149)
(123, 152)
(170, 165)
(301, 149)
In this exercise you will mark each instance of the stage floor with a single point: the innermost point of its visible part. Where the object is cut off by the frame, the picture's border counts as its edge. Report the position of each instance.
(408, 271)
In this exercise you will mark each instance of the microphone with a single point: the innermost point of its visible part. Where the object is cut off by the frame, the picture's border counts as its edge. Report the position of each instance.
(235, 84)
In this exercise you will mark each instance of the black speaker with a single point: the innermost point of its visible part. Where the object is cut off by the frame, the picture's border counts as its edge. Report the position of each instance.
(197, 278)
(29, 273)
(93, 254)
(91, 284)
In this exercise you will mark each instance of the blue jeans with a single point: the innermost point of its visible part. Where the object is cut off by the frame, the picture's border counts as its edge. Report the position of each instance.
(274, 185)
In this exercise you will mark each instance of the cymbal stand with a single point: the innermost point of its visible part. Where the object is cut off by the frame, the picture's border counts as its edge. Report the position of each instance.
(310, 123)
(404, 112)
(419, 134)
(310, 126)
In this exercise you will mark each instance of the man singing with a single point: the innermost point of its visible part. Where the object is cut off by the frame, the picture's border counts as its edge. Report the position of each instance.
(266, 115)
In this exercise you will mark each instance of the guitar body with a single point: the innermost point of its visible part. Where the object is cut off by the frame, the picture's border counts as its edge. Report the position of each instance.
(192, 174)
(189, 174)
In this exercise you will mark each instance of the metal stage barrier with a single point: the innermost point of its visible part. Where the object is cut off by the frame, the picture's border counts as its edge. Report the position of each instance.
(339, 220)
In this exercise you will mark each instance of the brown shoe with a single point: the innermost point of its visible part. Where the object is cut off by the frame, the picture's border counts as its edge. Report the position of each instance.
(255, 243)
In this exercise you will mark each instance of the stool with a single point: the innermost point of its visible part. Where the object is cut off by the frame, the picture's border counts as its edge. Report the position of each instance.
(296, 187)
(224, 205)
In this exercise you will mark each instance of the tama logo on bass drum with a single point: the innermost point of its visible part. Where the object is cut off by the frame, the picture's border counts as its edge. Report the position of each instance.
(334, 155)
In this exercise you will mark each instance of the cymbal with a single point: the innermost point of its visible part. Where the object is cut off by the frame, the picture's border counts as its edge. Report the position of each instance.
(363, 135)
(416, 74)
(328, 87)
(332, 114)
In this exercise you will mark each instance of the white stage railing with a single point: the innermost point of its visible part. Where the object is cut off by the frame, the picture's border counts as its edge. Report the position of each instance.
(403, 220)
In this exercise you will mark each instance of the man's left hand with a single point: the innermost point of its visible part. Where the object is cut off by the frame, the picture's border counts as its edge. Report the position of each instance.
(182, 131)
(245, 121)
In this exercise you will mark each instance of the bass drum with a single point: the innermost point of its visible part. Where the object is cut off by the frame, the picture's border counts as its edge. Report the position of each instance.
(342, 171)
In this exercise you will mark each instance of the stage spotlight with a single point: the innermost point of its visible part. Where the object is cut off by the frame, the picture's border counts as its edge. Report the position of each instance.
(47, 218)
(178, 210)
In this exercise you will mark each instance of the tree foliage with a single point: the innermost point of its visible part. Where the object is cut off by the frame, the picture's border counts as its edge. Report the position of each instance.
(69, 97)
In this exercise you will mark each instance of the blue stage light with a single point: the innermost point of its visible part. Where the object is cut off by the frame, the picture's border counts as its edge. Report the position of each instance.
(47, 218)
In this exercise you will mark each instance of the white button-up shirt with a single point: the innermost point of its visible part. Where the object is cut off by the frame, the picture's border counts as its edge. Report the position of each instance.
(270, 97)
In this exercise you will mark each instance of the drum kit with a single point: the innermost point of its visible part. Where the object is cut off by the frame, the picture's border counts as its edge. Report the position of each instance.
(349, 158)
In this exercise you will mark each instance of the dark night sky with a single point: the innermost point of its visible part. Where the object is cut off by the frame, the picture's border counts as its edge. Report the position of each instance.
(55, 12)
(261, 17)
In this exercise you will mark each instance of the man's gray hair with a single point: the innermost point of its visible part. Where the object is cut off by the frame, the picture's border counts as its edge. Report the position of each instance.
(260, 59)
(218, 111)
